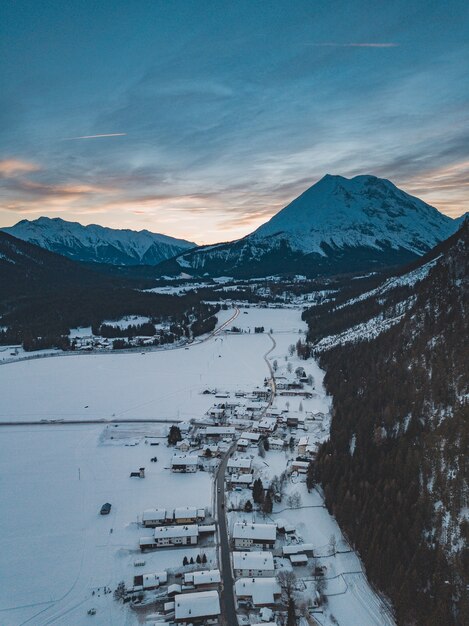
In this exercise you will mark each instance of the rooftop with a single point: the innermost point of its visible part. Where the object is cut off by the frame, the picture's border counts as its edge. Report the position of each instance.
(241, 530)
(253, 560)
(198, 604)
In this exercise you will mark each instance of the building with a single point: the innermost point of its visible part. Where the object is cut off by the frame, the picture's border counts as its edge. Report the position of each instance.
(299, 466)
(253, 564)
(196, 608)
(243, 480)
(185, 463)
(153, 517)
(203, 579)
(169, 536)
(298, 559)
(249, 436)
(183, 446)
(258, 591)
(252, 536)
(298, 548)
(150, 581)
(186, 515)
(302, 445)
(267, 425)
(292, 421)
(215, 433)
(239, 466)
(242, 444)
(276, 444)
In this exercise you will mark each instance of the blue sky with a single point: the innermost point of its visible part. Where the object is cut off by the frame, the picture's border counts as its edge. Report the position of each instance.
(222, 112)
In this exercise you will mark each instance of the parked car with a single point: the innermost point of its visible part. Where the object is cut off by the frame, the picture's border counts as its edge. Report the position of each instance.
(106, 508)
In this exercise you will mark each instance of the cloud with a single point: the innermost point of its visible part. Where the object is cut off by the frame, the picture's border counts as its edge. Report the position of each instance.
(96, 136)
(333, 44)
(15, 167)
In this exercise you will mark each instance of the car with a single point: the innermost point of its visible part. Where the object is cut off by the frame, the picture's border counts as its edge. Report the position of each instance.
(218, 490)
(105, 509)
(222, 505)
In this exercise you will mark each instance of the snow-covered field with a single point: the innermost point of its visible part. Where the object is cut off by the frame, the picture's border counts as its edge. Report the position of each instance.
(56, 549)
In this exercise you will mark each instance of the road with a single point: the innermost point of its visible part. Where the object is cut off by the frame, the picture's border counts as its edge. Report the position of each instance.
(228, 604)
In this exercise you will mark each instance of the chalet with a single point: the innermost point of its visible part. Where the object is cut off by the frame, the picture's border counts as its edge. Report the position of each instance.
(153, 517)
(263, 394)
(273, 412)
(204, 579)
(302, 445)
(252, 536)
(258, 591)
(257, 564)
(177, 535)
(187, 515)
(196, 608)
(276, 444)
(292, 421)
(243, 480)
(239, 466)
(183, 446)
(216, 412)
(267, 425)
(299, 466)
(252, 437)
(215, 433)
(150, 581)
(185, 463)
(242, 444)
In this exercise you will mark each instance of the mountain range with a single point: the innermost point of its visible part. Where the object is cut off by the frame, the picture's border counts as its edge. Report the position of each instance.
(337, 226)
(98, 244)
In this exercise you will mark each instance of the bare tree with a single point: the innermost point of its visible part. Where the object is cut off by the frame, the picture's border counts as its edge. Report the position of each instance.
(287, 581)
(261, 449)
(333, 544)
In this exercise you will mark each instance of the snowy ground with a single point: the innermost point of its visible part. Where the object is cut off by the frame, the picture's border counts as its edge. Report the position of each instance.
(56, 548)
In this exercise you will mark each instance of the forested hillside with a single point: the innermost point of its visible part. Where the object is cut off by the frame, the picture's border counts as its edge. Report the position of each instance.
(394, 471)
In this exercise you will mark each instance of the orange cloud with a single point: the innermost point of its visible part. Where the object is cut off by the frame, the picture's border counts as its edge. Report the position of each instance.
(14, 167)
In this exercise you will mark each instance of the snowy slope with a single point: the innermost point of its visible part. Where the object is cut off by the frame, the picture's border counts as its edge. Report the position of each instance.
(97, 243)
(337, 225)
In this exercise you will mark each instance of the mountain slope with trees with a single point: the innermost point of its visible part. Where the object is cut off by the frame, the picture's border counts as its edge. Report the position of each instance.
(395, 470)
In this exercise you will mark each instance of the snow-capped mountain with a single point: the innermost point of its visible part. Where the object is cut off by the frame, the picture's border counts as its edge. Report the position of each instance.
(337, 225)
(98, 244)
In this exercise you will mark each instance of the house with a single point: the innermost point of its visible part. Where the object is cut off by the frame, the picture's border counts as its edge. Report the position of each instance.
(216, 412)
(242, 444)
(183, 446)
(249, 436)
(153, 517)
(253, 564)
(292, 421)
(150, 581)
(216, 433)
(202, 607)
(299, 466)
(243, 480)
(263, 394)
(276, 444)
(267, 425)
(239, 466)
(259, 591)
(185, 463)
(168, 536)
(261, 536)
(302, 445)
(187, 515)
(203, 579)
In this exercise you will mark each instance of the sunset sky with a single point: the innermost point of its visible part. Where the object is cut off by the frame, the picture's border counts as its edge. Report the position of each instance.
(202, 119)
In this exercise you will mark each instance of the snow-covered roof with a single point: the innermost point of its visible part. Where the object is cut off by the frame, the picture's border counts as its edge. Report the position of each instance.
(298, 558)
(206, 577)
(303, 441)
(268, 423)
(243, 479)
(243, 442)
(298, 548)
(153, 515)
(275, 441)
(218, 430)
(184, 512)
(261, 590)
(250, 436)
(241, 530)
(184, 459)
(242, 463)
(158, 578)
(190, 530)
(198, 604)
(253, 560)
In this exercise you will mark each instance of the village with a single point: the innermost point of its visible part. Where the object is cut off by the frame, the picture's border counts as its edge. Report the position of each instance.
(214, 518)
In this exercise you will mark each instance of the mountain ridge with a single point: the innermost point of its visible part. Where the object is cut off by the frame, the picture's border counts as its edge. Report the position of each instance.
(100, 244)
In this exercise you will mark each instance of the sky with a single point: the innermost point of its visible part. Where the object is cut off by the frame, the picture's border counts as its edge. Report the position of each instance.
(202, 119)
